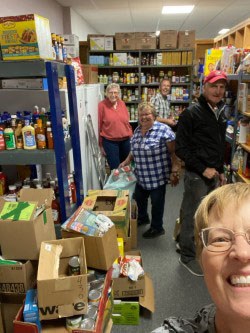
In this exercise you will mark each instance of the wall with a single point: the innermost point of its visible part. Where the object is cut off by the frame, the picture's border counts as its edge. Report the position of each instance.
(80, 27)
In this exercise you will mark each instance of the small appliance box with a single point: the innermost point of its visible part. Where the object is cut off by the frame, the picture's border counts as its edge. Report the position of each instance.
(59, 293)
(25, 37)
(96, 42)
(168, 39)
(125, 41)
(18, 278)
(102, 251)
(145, 41)
(186, 39)
(112, 203)
(25, 224)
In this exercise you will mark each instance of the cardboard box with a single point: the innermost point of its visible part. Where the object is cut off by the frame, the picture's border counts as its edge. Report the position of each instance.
(125, 41)
(58, 325)
(9, 306)
(126, 313)
(1, 321)
(72, 51)
(101, 252)
(18, 278)
(186, 39)
(130, 242)
(25, 84)
(61, 295)
(90, 73)
(96, 42)
(145, 41)
(120, 59)
(25, 37)
(71, 40)
(22, 238)
(168, 39)
(112, 203)
(212, 56)
(109, 43)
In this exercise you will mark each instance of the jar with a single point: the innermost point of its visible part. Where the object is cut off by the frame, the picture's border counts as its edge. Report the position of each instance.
(115, 77)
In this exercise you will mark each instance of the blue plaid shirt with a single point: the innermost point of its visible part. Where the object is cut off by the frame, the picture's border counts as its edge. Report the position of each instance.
(151, 156)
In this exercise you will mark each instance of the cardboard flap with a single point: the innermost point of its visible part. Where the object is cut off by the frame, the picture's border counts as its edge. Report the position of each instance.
(41, 195)
(49, 260)
(148, 301)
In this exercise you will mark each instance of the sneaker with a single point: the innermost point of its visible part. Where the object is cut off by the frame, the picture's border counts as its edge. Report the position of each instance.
(192, 266)
(143, 221)
(152, 233)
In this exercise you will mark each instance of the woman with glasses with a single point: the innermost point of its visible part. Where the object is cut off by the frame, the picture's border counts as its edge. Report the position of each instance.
(222, 234)
(114, 128)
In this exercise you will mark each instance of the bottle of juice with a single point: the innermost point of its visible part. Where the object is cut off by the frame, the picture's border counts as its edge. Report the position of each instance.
(29, 140)
(40, 135)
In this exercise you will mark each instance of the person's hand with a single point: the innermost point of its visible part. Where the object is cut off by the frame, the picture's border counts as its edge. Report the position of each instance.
(174, 178)
(171, 121)
(210, 173)
(222, 179)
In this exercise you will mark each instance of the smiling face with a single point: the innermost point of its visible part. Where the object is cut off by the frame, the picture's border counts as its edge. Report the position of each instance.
(227, 274)
(146, 117)
(214, 92)
(165, 87)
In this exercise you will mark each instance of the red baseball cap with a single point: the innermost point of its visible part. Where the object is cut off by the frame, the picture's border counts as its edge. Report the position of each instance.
(215, 76)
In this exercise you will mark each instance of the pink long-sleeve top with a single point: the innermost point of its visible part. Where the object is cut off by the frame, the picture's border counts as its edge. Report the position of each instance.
(113, 123)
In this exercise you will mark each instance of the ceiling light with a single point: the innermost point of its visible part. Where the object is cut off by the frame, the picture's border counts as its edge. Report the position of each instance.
(223, 31)
(177, 9)
(157, 33)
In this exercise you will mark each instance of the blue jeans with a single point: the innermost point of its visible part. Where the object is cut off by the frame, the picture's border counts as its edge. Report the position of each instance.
(157, 197)
(195, 188)
(116, 151)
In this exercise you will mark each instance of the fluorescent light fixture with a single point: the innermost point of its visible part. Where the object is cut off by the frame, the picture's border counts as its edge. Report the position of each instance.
(223, 31)
(157, 33)
(177, 9)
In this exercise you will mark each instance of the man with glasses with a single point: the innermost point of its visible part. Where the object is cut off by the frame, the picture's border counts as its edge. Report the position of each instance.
(200, 143)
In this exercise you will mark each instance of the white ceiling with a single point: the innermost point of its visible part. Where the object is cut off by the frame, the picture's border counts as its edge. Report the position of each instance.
(207, 18)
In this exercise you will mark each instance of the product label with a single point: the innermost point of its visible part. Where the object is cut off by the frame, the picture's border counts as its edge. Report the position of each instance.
(29, 139)
(10, 140)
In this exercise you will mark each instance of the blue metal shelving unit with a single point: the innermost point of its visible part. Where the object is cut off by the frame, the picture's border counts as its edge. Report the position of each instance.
(52, 70)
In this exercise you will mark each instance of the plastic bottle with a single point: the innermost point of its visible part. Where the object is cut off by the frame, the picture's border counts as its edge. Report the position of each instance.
(2, 141)
(3, 183)
(12, 195)
(40, 135)
(50, 140)
(19, 136)
(60, 54)
(29, 140)
(56, 213)
(9, 138)
(73, 188)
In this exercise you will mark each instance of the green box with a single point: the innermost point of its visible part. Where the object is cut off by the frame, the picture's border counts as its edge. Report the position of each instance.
(126, 313)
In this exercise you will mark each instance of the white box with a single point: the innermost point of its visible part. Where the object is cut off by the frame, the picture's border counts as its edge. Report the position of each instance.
(109, 43)
(72, 51)
(120, 59)
(71, 40)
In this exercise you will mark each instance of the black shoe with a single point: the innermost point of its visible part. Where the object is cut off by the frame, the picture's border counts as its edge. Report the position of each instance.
(143, 221)
(177, 247)
(152, 233)
(192, 266)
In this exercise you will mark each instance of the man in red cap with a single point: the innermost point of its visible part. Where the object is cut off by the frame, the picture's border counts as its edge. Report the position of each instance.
(200, 143)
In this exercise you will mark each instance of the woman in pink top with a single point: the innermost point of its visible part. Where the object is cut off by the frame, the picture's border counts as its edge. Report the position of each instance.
(114, 128)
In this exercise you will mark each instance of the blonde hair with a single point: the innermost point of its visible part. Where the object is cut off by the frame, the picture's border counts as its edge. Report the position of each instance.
(147, 106)
(220, 198)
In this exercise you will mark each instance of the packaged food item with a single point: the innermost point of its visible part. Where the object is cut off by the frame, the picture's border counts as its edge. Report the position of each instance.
(73, 322)
(74, 266)
(88, 324)
(94, 296)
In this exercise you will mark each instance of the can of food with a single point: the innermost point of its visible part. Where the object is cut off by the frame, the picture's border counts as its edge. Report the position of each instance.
(74, 266)
(88, 323)
(73, 322)
(94, 296)
(92, 311)
(97, 284)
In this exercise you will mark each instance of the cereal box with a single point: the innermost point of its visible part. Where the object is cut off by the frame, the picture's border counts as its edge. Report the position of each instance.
(25, 37)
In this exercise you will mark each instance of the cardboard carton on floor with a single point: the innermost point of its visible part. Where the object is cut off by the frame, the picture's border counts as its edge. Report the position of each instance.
(101, 251)
(112, 203)
(9, 305)
(23, 226)
(61, 294)
(130, 242)
(126, 312)
(18, 278)
(123, 287)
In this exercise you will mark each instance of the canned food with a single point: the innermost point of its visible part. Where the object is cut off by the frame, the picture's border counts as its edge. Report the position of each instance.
(73, 322)
(98, 284)
(74, 266)
(94, 296)
(92, 311)
(88, 323)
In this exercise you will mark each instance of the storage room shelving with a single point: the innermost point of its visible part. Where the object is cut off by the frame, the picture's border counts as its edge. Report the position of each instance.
(185, 69)
(51, 70)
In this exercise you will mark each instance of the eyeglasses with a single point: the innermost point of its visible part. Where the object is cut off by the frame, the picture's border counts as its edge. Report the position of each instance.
(113, 92)
(221, 239)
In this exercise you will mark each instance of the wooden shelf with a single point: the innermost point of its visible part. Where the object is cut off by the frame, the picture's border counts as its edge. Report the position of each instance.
(245, 147)
(242, 178)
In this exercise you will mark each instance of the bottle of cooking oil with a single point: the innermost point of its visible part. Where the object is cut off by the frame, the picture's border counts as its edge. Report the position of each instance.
(29, 139)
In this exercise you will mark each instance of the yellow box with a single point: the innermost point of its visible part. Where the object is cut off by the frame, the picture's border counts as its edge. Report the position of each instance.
(25, 37)
(212, 56)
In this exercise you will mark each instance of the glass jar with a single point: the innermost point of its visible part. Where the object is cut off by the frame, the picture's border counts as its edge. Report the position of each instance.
(115, 77)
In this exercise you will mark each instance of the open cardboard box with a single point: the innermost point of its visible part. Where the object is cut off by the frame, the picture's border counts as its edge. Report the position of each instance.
(61, 295)
(123, 287)
(21, 231)
(130, 242)
(18, 278)
(112, 203)
(103, 324)
(9, 305)
(101, 251)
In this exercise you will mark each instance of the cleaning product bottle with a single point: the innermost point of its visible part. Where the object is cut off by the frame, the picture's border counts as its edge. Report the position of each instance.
(29, 140)
(9, 137)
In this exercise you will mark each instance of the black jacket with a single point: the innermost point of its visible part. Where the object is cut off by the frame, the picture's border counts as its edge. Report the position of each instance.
(200, 137)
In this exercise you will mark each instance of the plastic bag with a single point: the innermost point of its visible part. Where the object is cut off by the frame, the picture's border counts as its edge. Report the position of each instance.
(121, 179)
